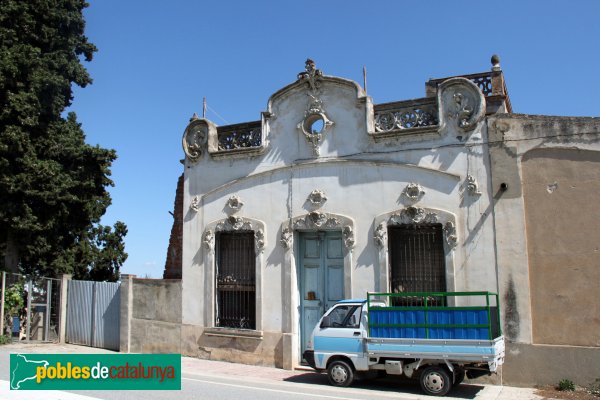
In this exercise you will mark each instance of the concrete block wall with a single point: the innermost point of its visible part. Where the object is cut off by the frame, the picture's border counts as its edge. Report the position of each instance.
(150, 315)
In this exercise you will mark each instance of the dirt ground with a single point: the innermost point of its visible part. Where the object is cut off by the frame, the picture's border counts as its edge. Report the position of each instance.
(550, 392)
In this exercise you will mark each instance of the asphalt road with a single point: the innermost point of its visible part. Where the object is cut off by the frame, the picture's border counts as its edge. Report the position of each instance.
(218, 381)
(208, 386)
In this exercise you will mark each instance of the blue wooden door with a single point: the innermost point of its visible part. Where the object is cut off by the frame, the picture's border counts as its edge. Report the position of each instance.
(321, 277)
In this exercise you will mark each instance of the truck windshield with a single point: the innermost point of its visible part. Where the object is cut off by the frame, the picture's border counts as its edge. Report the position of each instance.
(345, 316)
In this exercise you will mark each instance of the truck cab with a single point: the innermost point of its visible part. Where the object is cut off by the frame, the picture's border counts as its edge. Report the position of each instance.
(340, 332)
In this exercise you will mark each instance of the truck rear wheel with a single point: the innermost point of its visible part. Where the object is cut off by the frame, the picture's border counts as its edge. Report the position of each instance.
(340, 373)
(435, 381)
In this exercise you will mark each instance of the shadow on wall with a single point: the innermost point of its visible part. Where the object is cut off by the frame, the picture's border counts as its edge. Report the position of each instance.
(112, 321)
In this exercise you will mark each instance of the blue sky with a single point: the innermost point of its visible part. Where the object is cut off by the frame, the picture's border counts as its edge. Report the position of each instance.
(158, 59)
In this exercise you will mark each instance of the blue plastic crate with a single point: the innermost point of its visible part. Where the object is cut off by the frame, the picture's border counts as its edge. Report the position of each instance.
(429, 317)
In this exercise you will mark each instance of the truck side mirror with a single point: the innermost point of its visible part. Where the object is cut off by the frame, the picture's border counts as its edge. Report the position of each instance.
(326, 322)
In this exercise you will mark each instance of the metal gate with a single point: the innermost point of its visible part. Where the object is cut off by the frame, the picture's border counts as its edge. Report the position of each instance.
(93, 314)
(29, 307)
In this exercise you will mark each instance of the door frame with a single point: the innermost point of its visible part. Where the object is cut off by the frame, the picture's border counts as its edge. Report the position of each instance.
(322, 302)
(289, 240)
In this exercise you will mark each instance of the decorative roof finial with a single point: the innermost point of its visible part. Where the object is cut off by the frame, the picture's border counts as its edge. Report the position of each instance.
(194, 117)
(310, 67)
(312, 74)
(496, 63)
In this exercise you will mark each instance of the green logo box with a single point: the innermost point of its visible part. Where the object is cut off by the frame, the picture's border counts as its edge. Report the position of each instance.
(95, 371)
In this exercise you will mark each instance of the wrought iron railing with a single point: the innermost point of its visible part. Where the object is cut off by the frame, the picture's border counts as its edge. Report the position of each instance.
(240, 136)
(483, 82)
(408, 114)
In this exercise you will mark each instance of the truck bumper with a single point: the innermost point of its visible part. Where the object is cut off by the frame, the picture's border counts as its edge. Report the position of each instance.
(309, 356)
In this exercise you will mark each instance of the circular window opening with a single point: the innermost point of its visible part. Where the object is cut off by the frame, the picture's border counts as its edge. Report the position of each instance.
(314, 124)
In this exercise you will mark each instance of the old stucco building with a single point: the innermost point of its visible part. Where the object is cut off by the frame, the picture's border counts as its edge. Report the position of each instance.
(331, 195)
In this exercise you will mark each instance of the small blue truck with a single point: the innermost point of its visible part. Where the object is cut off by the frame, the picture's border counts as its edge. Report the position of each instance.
(437, 338)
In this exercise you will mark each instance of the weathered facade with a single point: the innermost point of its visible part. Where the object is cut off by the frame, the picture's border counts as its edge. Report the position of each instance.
(325, 184)
(547, 245)
(331, 196)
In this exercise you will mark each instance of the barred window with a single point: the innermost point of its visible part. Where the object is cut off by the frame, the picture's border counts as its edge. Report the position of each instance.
(417, 261)
(236, 280)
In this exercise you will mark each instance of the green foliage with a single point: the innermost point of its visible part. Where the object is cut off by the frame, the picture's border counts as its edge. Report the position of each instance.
(53, 185)
(566, 385)
(98, 254)
(13, 300)
(4, 339)
(14, 304)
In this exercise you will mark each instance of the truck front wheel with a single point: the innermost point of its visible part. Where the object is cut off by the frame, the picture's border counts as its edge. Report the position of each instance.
(340, 373)
(435, 381)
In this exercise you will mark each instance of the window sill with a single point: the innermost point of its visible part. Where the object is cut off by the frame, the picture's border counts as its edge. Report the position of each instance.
(234, 333)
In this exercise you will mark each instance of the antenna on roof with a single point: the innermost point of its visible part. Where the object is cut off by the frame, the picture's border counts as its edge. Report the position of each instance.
(365, 78)
(204, 108)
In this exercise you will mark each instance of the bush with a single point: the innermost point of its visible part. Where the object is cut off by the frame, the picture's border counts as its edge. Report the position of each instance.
(4, 339)
(13, 300)
(566, 385)
(13, 306)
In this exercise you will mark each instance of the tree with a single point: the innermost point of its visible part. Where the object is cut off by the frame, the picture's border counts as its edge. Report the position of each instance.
(53, 186)
(98, 253)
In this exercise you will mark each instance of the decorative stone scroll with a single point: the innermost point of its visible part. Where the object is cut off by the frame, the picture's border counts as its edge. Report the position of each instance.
(232, 224)
(380, 235)
(209, 239)
(450, 234)
(417, 215)
(235, 203)
(315, 124)
(472, 186)
(413, 215)
(259, 240)
(319, 220)
(195, 138)
(462, 103)
(287, 238)
(348, 235)
(316, 219)
(413, 192)
(317, 198)
(195, 204)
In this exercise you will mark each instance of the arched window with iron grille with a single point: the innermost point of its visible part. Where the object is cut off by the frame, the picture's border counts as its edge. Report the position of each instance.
(417, 261)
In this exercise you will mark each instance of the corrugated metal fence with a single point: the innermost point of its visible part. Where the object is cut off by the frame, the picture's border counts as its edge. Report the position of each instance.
(93, 314)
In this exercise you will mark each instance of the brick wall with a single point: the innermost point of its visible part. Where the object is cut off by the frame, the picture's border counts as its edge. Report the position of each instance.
(173, 262)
